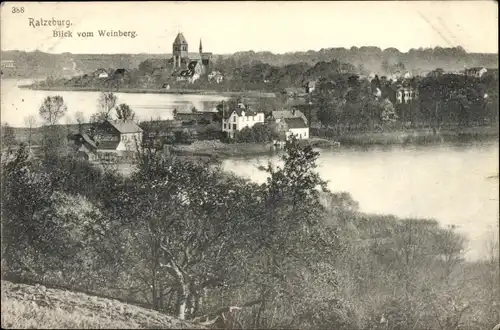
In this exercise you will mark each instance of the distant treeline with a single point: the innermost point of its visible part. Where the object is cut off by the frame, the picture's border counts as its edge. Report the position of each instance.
(40, 64)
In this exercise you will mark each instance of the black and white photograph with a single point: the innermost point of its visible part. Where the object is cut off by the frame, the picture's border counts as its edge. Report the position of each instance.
(250, 165)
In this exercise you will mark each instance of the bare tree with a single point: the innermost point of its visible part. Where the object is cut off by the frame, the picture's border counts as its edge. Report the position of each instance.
(8, 135)
(54, 139)
(30, 121)
(53, 109)
(80, 119)
(124, 112)
(107, 101)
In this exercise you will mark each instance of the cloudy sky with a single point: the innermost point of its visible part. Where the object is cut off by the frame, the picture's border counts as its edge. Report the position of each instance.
(279, 27)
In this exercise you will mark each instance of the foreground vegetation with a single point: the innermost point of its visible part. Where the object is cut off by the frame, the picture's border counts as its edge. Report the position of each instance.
(37, 307)
(187, 239)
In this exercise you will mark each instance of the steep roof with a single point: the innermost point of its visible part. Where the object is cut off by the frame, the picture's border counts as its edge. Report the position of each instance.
(185, 73)
(121, 71)
(125, 126)
(239, 112)
(295, 123)
(192, 65)
(283, 114)
(180, 39)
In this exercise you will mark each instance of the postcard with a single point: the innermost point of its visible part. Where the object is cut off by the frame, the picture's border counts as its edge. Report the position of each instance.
(250, 165)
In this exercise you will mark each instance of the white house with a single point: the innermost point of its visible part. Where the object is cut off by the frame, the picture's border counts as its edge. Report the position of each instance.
(296, 126)
(475, 72)
(239, 118)
(101, 73)
(8, 64)
(215, 76)
(405, 94)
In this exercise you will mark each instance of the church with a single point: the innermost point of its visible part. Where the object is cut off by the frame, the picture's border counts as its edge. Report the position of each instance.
(188, 66)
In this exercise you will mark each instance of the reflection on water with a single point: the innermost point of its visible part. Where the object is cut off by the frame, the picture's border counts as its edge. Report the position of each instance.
(16, 103)
(447, 183)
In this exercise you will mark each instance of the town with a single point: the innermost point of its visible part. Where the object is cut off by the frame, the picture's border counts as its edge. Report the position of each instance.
(326, 107)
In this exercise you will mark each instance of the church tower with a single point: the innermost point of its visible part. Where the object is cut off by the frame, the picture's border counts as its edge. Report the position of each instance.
(201, 48)
(179, 50)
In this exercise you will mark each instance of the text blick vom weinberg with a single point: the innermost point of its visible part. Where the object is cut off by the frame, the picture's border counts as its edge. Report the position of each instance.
(66, 24)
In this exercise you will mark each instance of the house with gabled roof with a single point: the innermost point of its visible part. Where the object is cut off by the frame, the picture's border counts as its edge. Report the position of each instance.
(101, 73)
(234, 120)
(295, 126)
(119, 137)
(477, 72)
(84, 146)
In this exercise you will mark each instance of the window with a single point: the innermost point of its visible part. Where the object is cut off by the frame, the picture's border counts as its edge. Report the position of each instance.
(234, 126)
(234, 119)
(305, 134)
(224, 125)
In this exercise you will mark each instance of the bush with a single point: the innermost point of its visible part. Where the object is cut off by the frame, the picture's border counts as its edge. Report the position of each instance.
(256, 134)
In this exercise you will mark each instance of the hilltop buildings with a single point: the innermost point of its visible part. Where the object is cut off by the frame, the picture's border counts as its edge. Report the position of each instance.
(188, 66)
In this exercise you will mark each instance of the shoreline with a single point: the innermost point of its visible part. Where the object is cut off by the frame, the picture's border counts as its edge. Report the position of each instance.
(177, 91)
(387, 140)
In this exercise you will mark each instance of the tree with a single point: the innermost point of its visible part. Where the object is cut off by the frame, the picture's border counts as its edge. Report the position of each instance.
(8, 136)
(388, 115)
(80, 119)
(107, 102)
(190, 217)
(30, 121)
(53, 109)
(54, 137)
(124, 112)
(385, 66)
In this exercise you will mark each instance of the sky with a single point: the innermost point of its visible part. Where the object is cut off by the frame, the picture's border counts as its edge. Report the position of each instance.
(278, 27)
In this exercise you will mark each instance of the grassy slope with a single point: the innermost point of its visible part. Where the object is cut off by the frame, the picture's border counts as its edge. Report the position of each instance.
(27, 306)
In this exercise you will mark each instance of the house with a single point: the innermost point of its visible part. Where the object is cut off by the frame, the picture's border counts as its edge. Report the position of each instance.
(404, 94)
(100, 73)
(294, 126)
(84, 146)
(192, 73)
(120, 73)
(215, 76)
(310, 86)
(8, 64)
(118, 137)
(280, 115)
(475, 72)
(407, 75)
(239, 118)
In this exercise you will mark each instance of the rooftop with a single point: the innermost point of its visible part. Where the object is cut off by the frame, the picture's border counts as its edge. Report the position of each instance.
(295, 122)
(180, 39)
(125, 126)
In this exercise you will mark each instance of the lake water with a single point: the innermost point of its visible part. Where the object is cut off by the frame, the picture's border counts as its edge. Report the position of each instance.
(447, 183)
(16, 103)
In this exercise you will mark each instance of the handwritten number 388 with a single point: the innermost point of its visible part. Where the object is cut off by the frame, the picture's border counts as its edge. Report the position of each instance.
(17, 10)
